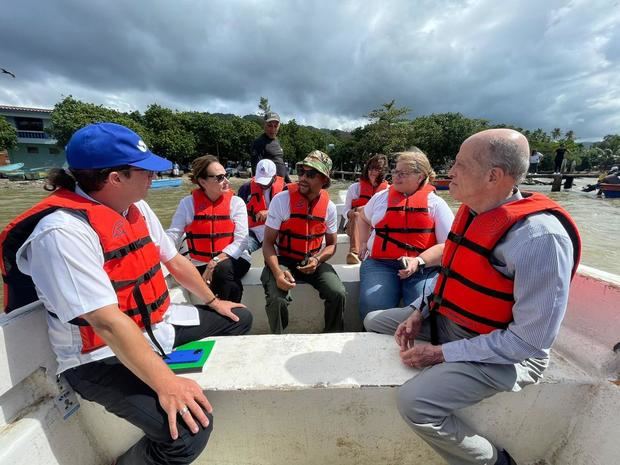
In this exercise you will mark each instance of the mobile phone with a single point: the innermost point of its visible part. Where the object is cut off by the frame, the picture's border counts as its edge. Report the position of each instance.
(183, 356)
(403, 263)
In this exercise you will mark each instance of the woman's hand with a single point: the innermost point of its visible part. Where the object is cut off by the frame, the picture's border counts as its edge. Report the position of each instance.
(412, 267)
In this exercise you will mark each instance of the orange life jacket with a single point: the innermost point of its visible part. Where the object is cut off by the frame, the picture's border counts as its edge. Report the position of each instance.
(407, 229)
(212, 229)
(301, 236)
(257, 201)
(367, 190)
(131, 261)
(470, 291)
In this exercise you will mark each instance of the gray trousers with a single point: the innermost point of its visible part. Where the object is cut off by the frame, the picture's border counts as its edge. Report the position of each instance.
(428, 401)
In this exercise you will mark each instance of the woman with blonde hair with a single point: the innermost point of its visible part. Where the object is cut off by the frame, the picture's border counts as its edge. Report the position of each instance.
(406, 219)
(358, 195)
(214, 223)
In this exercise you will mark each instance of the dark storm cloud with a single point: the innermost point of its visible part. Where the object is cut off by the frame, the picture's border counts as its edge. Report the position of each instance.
(533, 64)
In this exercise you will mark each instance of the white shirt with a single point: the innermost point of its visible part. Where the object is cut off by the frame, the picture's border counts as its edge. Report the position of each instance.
(353, 193)
(280, 211)
(535, 157)
(238, 213)
(259, 231)
(438, 209)
(63, 255)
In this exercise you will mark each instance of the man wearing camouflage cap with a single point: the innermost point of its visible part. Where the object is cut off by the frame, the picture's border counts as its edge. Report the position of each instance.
(268, 146)
(297, 222)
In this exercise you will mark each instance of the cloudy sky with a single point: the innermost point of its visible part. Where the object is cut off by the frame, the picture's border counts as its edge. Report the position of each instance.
(542, 63)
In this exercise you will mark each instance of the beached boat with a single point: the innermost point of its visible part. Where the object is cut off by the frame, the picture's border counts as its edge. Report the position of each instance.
(610, 191)
(441, 184)
(165, 182)
(305, 398)
(11, 167)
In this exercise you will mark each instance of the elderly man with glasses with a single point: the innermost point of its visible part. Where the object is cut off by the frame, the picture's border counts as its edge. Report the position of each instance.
(298, 221)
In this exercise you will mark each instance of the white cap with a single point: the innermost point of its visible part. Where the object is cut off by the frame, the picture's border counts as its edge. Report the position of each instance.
(265, 171)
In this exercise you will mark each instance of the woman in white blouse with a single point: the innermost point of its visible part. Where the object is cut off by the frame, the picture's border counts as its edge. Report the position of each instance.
(214, 223)
(396, 226)
(359, 193)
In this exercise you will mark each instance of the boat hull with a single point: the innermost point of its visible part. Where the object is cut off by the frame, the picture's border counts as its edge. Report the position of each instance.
(166, 182)
(610, 191)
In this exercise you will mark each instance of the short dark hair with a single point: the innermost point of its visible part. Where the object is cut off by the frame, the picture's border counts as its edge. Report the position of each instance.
(90, 180)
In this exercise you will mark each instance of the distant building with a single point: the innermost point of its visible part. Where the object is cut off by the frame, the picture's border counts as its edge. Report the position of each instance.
(35, 148)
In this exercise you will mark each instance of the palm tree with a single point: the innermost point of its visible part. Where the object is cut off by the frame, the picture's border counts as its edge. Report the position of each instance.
(556, 133)
(570, 135)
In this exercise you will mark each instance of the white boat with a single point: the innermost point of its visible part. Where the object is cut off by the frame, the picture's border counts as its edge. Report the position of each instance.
(304, 398)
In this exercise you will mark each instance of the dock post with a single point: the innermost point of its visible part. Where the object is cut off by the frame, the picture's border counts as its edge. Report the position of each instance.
(557, 183)
(568, 182)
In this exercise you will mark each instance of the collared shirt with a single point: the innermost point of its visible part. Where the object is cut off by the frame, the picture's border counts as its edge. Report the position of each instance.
(537, 253)
(238, 213)
(63, 255)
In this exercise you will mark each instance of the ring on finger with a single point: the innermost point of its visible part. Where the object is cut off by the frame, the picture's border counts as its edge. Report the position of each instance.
(184, 410)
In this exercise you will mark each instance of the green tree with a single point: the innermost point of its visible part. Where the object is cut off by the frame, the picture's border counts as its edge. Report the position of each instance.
(388, 131)
(170, 138)
(8, 135)
(71, 114)
(441, 135)
(556, 133)
(263, 106)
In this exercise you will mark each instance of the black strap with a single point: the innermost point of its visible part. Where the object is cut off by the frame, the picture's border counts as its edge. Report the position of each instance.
(212, 217)
(480, 319)
(462, 240)
(145, 313)
(127, 249)
(204, 254)
(385, 237)
(408, 209)
(191, 235)
(448, 273)
(136, 282)
(303, 216)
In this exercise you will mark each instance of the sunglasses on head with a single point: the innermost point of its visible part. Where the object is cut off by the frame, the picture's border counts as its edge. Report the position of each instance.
(218, 177)
(310, 174)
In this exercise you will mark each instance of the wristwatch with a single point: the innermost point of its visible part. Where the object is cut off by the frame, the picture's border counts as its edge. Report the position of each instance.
(421, 263)
(216, 259)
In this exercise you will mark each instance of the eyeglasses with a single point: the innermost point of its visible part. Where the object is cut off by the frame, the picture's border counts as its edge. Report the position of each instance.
(375, 168)
(218, 177)
(402, 174)
(310, 174)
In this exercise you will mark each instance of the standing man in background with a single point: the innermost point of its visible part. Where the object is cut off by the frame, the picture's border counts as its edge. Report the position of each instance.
(268, 146)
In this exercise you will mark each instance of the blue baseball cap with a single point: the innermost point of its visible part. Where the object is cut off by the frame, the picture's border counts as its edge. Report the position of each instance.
(105, 145)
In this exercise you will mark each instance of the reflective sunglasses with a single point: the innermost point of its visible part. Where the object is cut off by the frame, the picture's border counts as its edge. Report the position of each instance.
(218, 177)
(310, 174)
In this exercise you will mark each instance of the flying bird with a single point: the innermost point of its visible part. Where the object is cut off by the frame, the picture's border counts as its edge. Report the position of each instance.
(4, 71)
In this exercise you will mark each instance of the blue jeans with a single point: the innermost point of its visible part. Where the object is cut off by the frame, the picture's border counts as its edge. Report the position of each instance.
(381, 287)
(253, 243)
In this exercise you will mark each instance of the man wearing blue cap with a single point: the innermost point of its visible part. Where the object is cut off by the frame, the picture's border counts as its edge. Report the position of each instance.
(91, 252)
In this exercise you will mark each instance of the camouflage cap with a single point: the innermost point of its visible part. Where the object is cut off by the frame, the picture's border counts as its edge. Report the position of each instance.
(319, 161)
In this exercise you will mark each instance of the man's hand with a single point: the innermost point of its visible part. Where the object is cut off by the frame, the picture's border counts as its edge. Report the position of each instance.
(412, 267)
(261, 216)
(225, 307)
(285, 280)
(207, 274)
(408, 330)
(310, 267)
(422, 355)
(182, 397)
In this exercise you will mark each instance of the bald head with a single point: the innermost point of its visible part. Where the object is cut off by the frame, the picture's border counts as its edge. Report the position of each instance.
(502, 148)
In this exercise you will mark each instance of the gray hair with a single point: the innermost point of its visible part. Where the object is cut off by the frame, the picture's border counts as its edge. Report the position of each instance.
(508, 155)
